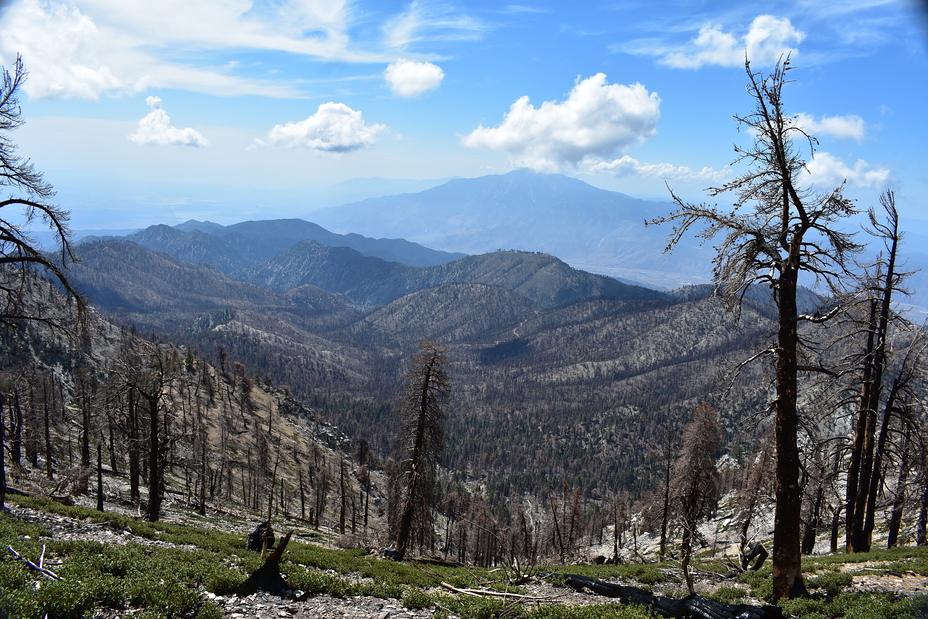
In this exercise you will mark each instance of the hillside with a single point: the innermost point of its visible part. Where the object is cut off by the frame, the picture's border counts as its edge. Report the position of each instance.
(542, 279)
(547, 361)
(234, 450)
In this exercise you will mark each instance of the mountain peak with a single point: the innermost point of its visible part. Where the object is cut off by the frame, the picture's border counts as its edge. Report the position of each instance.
(589, 228)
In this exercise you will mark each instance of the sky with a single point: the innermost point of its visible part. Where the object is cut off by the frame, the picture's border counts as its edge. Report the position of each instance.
(143, 112)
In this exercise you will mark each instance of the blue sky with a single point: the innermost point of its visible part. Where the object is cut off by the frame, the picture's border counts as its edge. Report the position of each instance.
(145, 112)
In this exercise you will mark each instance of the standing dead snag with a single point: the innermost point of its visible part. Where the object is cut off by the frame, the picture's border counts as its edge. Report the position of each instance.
(776, 230)
(694, 487)
(422, 436)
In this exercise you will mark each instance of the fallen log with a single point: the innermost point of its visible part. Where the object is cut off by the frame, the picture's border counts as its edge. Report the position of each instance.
(499, 594)
(267, 577)
(693, 606)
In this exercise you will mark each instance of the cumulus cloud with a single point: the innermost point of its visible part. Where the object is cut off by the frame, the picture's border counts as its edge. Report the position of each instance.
(767, 39)
(155, 128)
(596, 121)
(71, 62)
(334, 128)
(847, 127)
(829, 171)
(629, 166)
(408, 78)
(91, 48)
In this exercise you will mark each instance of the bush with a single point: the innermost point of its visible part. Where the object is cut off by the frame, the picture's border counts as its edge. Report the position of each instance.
(417, 599)
(315, 582)
(208, 610)
(832, 583)
(728, 595)
(761, 583)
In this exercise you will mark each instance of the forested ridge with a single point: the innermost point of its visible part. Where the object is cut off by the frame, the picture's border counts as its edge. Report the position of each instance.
(544, 390)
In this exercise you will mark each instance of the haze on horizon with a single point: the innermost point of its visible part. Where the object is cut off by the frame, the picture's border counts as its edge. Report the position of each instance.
(143, 113)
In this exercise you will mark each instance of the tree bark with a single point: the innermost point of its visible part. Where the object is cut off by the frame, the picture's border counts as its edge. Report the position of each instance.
(895, 519)
(787, 539)
(2, 457)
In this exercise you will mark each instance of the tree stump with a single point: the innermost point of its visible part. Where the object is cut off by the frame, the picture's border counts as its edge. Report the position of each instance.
(267, 577)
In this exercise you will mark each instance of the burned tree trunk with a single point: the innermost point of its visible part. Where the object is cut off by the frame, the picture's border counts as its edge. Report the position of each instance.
(695, 606)
(267, 577)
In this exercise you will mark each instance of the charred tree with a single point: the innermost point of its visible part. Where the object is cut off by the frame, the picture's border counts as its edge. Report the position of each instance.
(776, 230)
(695, 483)
(421, 438)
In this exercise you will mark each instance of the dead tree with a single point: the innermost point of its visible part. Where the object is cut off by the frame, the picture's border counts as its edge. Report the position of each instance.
(694, 486)
(421, 438)
(776, 230)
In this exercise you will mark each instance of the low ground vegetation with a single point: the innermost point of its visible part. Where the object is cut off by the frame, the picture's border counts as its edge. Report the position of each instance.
(124, 566)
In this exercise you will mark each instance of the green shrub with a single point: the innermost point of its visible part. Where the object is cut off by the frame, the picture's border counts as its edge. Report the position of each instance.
(761, 583)
(832, 583)
(315, 582)
(379, 590)
(20, 603)
(416, 599)
(806, 607)
(208, 611)
(728, 595)
(170, 598)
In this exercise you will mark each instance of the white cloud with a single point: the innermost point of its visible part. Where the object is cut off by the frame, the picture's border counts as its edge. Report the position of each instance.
(847, 127)
(828, 171)
(155, 128)
(62, 49)
(597, 120)
(629, 166)
(334, 128)
(767, 39)
(90, 48)
(408, 78)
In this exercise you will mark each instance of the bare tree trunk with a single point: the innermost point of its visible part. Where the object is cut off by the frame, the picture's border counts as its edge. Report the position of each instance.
(876, 476)
(343, 498)
(787, 534)
(854, 516)
(201, 508)
(895, 519)
(99, 477)
(921, 528)
(16, 415)
(132, 429)
(665, 513)
(302, 494)
(48, 431)
(155, 465)
(2, 457)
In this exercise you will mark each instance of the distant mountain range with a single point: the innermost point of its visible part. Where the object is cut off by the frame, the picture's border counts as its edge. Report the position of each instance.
(248, 243)
(589, 228)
